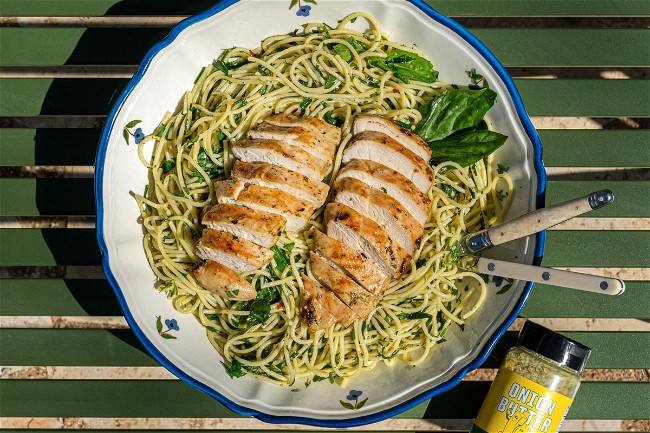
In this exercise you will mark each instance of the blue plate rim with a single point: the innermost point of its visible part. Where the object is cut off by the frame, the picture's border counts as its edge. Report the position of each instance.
(346, 422)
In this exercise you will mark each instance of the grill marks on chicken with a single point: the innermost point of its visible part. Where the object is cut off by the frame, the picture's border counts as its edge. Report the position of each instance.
(376, 220)
(276, 185)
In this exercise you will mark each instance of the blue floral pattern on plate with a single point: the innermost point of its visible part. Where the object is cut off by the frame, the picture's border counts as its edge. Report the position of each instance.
(137, 135)
(303, 10)
(171, 324)
(353, 396)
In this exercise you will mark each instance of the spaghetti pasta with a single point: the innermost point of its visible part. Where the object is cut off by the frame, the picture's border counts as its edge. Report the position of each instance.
(304, 73)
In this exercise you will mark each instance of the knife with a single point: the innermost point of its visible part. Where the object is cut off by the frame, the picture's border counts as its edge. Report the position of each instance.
(554, 277)
(534, 222)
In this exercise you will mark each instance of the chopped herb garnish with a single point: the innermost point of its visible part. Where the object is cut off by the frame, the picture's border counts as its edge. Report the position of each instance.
(502, 168)
(234, 369)
(330, 81)
(220, 66)
(305, 103)
(168, 165)
(414, 316)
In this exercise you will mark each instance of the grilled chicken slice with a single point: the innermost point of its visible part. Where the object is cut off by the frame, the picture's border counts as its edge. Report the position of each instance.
(404, 136)
(353, 295)
(223, 281)
(377, 147)
(296, 211)
(296, 136)
(356, 265)
(381, 208)
(262, 228)
(321, 307)
(365, 236)
(231, 251)
(328, 132)
(274, 176)
(282, 154)
(393, 183)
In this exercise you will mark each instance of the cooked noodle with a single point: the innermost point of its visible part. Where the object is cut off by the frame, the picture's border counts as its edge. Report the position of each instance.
(191, 149)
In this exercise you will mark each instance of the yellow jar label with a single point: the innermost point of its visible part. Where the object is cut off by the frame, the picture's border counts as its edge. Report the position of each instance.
(515, 404)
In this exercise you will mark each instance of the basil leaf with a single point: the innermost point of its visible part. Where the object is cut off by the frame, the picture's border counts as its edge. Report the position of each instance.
(343, 52)
(454, 110)
(466, 148)
(406, 65)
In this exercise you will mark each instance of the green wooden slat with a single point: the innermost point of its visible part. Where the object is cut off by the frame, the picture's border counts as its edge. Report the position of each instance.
(48, 146)
(630, 197)
(72, 347)
(45, 297)
(562, 147)
(541, 97)
(48, 247)
(449, 7)
(550, 301)
(627, 249)
(596, 147)
(83, 398)
(115, 348)
(513, 47)
(30, 197)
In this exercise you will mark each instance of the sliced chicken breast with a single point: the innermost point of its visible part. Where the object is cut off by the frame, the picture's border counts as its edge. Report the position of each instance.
(404, 136)
(274, 176)
(231, 251)
(223, 281)
(355, 264)
(327, 131)
(391, 182)
(321, 308)
(262, 228)
(381, 208)
(282, 154)
(377, 147)
(353, 295)
(296, 211)
(365, 236)
(308, 141)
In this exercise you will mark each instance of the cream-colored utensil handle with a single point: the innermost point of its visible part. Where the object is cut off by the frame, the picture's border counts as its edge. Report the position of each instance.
(553, 277)
(534, 221)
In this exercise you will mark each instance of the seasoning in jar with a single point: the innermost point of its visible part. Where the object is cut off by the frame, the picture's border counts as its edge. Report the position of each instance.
(535, 384)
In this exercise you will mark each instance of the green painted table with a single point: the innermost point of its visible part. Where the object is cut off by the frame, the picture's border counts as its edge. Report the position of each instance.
(67, 357)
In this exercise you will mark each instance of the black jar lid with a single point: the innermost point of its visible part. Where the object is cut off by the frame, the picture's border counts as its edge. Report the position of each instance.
(552, 345)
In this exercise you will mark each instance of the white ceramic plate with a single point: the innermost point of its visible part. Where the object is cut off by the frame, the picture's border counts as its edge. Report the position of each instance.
(167, 71)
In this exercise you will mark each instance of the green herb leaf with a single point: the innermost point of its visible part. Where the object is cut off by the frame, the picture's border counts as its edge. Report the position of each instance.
(260, 311)
(406, 65)
(161, 130)
(331, 79)
(415, 316)
(454, 110)
(329, 118)
(502, 168)
(220, 66)
(280, 258)
(466, 148)
(305, 103)
(234, 369)
(289, 247)
(356, 44)
(240, 103)
(168, 165)
(343, 52)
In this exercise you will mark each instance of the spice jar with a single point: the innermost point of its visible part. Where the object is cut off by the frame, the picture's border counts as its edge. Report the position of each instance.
(535, 384)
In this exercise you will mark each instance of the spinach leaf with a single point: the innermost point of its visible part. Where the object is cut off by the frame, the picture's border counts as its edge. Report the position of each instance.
(416, 315)
(280, 257)
(454, 110)
(234, 369)
(259, 312)
(406, 65)
(343, 52)
(466, 148)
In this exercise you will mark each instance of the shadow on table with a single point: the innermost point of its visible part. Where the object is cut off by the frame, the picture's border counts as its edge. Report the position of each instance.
(76, 144)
